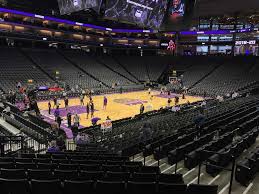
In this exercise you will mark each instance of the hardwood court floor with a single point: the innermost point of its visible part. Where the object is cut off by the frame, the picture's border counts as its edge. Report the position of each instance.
(119, 105)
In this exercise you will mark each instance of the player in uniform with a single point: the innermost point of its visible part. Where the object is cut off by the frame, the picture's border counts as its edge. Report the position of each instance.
(49, 106)
(66, 102)
(169, 102)
(105, 101)
(87, 110)
(151, 98)
(82, 100)
(92, 109)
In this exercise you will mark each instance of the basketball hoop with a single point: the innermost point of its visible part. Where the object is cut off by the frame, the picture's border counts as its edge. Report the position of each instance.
(173, 80)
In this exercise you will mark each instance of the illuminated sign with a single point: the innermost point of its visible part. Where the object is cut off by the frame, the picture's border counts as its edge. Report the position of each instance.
(245, 42)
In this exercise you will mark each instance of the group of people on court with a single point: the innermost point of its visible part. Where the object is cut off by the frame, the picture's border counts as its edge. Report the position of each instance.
(76, 119)
(169, 100)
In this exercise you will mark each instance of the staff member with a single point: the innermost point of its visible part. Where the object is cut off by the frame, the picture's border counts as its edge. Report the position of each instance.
(76, 120)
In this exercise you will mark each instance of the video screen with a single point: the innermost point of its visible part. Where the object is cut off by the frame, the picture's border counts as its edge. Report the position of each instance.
(176, 9)
(168, 44)
(70, 6)
(146, 13)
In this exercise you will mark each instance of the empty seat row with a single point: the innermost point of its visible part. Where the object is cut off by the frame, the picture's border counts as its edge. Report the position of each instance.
(66, 161)
(105, 167)
(22, 186)
(94, 154)
(247, 169)
(47, 174)
(235, 149)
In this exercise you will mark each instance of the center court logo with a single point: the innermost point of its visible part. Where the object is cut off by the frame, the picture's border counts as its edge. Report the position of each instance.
(129, 101)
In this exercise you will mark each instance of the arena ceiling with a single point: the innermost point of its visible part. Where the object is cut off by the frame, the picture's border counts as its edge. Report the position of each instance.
(225, 10)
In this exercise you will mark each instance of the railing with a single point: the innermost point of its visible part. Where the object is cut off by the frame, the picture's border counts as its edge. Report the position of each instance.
(13, 144)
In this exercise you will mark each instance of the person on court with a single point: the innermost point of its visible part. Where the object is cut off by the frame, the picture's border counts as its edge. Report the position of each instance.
(49, 106)
(183, 96)
(169, 102)
(92, 109)
(55, 100)
(59, 121)
(69, 119)
(151, 98)
(87, 110)
(149, 91)
(76, 120)
(142, 108)
(176, 100)
(105, 101)
(91, 99)
(57, 113)
(95, 120)
(66, 102)
(82, 100)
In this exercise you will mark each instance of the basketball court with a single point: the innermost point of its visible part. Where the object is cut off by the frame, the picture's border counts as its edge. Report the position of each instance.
(119, 106)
